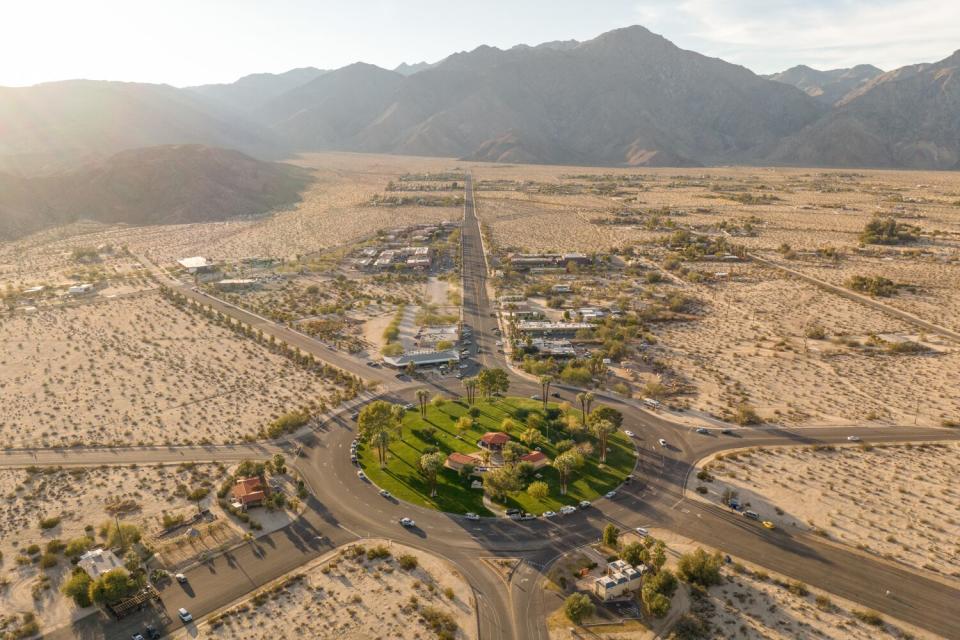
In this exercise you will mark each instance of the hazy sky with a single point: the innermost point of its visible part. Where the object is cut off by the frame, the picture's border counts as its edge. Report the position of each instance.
(184, 42)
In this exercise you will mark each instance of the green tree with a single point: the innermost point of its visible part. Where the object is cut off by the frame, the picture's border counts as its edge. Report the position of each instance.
(375, 424)
(700, 567)
(422, 395)
(512, 451)
(198, 494)
(610, 535)
(609, 414)
(602, 430)
(531, 437)
(279, 463)
(538, 490)
(76, 547)
(112, 586)
(430, 466)
(493, 381)
(464, 423)
(501, 481)
(122, 537)
(565, 464)
(658, 605)
(658, 555)
(77, 587)
(577, 607)
(634, 553)
(585, 398)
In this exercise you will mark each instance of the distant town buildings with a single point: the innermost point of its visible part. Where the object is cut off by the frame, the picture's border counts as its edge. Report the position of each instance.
(196, 264)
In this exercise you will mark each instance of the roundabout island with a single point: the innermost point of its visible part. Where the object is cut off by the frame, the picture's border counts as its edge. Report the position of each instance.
(495, 454)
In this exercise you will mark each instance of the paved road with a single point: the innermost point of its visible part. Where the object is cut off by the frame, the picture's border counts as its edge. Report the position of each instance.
(344, 508)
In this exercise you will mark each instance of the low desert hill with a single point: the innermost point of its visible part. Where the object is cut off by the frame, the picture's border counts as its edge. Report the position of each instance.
(155, 185)
(827, 86)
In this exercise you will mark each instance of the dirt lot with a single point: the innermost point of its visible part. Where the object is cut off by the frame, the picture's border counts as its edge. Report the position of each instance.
(137, 495)
(895, 501)
(355, 595)
(139, 371)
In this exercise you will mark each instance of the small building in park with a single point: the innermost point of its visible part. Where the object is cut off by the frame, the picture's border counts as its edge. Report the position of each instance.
(458, 461)
(249, 492)
(536, 458)
(494, 440)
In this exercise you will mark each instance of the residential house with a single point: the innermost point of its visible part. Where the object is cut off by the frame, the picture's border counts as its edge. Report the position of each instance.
(249, 492)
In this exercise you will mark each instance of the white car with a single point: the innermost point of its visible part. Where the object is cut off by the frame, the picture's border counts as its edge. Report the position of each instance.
(361, 475)
(629, 433)
(642, 532)
(702, 430)
(568, 509)
(853, 438)
(549, 514)
(662, 442)
(584, 504)
(610, 495)
(386, 494)
(184, 615)
(180, 578)
(407, 522)
(472, 516)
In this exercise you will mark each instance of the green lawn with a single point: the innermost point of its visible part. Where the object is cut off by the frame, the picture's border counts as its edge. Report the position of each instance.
(402, 478)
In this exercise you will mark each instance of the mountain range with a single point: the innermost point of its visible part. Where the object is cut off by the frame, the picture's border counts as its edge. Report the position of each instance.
(625, 98)
(167, 184)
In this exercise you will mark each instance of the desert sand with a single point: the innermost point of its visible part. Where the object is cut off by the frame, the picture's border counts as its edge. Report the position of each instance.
(352, 594)
(139, 371)
(895, 501)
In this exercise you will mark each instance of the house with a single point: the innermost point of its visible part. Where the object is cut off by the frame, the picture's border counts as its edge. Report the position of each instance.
(80, 289)
(249, 492)
(536, 458)
(196, 264)
(554, 348)
(419, 262)
(620, 579)
(458, 461)
(494, 440)
(534, 327)
(98, 561)
(576, 258)
(422, 358)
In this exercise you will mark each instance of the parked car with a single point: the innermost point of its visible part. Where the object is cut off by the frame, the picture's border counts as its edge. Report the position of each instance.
(513, 513)
(535, 397)
(610, 495)
(628, 479)
(753, 515)
(137, 636)
(528, 516)
(408, 407)
(472, 516)
(407, 522)
(628, 433)
(584, 504)
(354, 459)
(185, 616)
(549, 514)
(180, 578)
(386, 494)
(568, 509)
(361, 475)
(643, 533)
(556, 394)
(152, 632)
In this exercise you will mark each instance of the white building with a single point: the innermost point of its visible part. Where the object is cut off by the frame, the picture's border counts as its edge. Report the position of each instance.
(620, 579)
(196, 264)
(99, 561)
(80, 289)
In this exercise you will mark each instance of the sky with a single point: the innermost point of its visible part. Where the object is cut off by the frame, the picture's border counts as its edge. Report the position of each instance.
(188, 42)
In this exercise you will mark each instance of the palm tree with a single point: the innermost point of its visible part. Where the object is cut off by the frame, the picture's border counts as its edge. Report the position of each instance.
(531, 436)
(397, 413)
(430, 465)
(471, 386)
(422, 400)
(565, 464)
(374, 425)
(585, 398)
(545, 389)
(602, 429)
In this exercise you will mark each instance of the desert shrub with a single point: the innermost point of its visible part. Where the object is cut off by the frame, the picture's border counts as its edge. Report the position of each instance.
(378, 552)
(824, 603)
(700, 567)
(55, 546)
(873, 285)
(746, 415)
(577, 607)
(690, 627)
(48, 560)
(49, 523)
(78, 546)
(440, 622)
(868, 617)
(77, 587)
(798, 588)
(888, 231)
(288, 422)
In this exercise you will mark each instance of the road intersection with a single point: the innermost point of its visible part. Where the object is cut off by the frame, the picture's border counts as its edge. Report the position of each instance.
(342, 508)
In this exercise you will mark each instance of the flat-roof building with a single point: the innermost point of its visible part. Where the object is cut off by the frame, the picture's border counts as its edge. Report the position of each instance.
(196, 264)
(537, 327)
(97, 562)
(422, 358)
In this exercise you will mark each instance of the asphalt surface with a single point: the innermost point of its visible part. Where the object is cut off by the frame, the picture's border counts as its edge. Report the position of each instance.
(344, 508)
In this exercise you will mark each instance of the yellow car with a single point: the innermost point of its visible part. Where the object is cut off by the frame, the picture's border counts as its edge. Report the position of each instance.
(769, 525)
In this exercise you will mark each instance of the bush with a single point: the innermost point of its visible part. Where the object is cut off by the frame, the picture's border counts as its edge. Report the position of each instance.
(746, 415)
(126, 535)
(408, 562)
(699, 567)
(658, 605)
(49, 523)
(440, 622)
(663, 582)
(690, 627)
(577, 607)
(288, 422)
(634, 553)
(873, 285)
(55, 546)
(888, 231)
(798, 588)
(48, 560)
(76, 547)
(378, 552)
(869, 617)
(610, 535)
(538, 490)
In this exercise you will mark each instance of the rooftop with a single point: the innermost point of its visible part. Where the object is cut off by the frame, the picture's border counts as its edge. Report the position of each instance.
(196, 262)
(495, 437)
(96, 562)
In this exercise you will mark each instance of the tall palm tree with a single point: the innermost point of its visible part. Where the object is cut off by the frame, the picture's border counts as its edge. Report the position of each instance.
(602, 429)
(397, 413)
(545, 382)
(585, 398)
(422, 396)
(565, 464)
(471, 386)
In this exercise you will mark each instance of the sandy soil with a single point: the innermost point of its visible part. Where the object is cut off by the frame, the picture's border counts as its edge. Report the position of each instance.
(355, 598)
(895, 501)
(138, 495)
(749, 343)
(139, 371)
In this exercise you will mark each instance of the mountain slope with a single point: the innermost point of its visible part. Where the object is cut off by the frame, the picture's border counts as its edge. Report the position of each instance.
(626, 97)
(253, 91)
(155, 185)
(827, 86)
(57, 124)
(909, 117)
